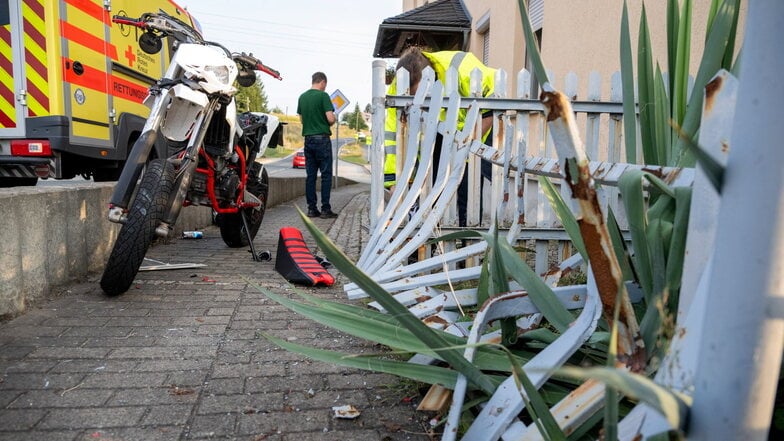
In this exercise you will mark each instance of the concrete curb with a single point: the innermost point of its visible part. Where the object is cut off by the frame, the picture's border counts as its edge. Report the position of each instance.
(52, 236)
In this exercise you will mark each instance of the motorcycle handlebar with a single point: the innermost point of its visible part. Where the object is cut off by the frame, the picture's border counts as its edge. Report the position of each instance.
(135, 22)
(147, 22)
(162, 23)
(249, 61)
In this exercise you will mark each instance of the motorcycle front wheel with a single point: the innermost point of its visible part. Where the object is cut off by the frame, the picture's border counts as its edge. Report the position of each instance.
(138, 232)
(231, 228)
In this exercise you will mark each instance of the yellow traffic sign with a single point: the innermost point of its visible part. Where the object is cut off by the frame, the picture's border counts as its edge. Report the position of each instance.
(339, 101)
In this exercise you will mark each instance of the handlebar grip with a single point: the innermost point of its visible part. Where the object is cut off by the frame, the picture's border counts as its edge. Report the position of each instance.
(269, 71)
(136, 22)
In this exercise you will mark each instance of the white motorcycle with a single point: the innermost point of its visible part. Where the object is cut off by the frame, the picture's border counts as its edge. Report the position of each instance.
(209, 150)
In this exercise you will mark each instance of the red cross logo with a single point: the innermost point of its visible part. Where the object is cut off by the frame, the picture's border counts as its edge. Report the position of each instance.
(130, 56)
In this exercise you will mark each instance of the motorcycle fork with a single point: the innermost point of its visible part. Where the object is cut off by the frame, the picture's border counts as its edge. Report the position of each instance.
(140, 153)
(188, 165)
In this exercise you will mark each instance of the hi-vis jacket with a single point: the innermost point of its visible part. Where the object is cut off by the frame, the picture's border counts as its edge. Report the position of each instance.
(465, 62)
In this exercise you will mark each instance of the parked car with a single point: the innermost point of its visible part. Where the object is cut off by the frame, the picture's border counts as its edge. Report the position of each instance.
(299, 159)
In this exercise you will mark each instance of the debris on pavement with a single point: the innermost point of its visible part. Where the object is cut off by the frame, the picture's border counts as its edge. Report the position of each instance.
(347, 412)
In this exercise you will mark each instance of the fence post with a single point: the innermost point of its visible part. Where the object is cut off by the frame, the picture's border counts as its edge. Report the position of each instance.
(743, 332)
(377, 146)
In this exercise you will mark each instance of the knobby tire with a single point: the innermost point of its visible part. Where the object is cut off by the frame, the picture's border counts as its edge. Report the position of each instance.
(138, 232)
(231, 228)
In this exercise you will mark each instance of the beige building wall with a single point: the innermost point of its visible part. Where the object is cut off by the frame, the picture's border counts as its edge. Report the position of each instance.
(577, 35)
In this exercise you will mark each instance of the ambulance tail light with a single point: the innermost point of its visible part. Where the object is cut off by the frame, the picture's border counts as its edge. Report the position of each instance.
(31, 147)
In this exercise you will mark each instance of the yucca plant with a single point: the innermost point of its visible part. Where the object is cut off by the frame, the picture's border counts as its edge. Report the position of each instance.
(658, 214)
(658, 218)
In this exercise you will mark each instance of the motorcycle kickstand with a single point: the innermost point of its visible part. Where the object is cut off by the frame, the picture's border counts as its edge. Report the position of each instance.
(260, 257)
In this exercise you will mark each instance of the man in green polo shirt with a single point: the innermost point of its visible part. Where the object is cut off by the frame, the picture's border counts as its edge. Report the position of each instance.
(317, 115)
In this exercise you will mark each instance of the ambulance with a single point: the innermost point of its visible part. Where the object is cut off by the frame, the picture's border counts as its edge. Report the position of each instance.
(72, 85)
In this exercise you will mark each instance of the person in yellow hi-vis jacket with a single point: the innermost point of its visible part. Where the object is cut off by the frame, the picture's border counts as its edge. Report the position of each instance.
(414, 60)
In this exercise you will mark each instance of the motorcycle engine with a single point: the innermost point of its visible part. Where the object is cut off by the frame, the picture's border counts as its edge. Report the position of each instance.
(226, 184)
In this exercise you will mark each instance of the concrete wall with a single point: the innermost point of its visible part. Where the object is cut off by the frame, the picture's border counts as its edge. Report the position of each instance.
(51, 236)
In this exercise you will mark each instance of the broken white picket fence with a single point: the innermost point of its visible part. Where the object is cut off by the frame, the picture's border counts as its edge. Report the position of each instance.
(402, 230)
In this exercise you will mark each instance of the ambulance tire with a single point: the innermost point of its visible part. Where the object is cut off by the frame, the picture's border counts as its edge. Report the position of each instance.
(231, 228)
(138, 232)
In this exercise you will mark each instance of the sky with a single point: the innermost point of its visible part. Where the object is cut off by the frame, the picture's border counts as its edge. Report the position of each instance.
(299, 37)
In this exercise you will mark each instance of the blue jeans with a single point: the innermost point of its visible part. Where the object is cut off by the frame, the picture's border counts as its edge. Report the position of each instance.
(318, 158)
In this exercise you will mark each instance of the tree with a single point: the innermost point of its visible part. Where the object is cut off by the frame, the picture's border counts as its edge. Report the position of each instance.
(252, 98)
(367, 108)
(354, 119)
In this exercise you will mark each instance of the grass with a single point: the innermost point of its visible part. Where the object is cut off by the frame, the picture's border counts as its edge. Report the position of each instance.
(353, 153)
(293, 141)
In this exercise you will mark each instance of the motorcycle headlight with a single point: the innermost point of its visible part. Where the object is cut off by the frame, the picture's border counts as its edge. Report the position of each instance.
(220, 72)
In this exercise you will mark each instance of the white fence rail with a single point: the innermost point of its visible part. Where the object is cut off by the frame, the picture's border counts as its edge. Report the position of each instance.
(522, 151)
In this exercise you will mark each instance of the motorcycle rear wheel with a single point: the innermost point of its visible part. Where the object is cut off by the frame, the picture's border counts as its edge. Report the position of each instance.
(138, 232)
(231, 228)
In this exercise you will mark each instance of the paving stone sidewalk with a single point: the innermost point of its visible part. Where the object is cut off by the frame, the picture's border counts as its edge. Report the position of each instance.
(181, 356)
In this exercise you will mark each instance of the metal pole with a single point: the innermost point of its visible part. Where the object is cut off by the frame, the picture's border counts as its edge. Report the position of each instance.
(376, 156)
(337, 150)
(740, 354)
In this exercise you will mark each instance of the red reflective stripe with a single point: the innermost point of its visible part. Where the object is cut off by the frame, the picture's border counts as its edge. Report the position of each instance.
(128, 90)
(34, 33)
(94, 10)
(5, 121)
(91, 78)
(39, 96)
(7, 94)
(88, 40)
(36, 6)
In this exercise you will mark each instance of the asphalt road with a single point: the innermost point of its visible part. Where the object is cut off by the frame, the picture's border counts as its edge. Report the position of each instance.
(281, 167)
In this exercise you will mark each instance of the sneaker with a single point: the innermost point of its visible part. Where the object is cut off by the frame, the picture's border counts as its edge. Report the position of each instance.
(314, 213)
(328, 215)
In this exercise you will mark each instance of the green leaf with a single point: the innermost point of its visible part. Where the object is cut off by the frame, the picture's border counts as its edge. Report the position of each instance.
(677, 254)
(729, 53)
(646, 98)
(483, 290)
(673, 23)
(681, 73)
(661, 121)
(541, 295)
(619, 246)
(564, 214)
(631, 189)
(712, 169)
(418, 372)
(382, 328)
(712, 59)
(611, 394)
(499, 283)
(434, 341)
(673, 406)
(627, 79)
(364, 327)
(536, 406)
(542, 335)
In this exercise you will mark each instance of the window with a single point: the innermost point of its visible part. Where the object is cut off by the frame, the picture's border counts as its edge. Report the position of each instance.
(483, 29)
(486, 47)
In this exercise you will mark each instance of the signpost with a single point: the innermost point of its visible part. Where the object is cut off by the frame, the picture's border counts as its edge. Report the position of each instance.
(339, 102)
